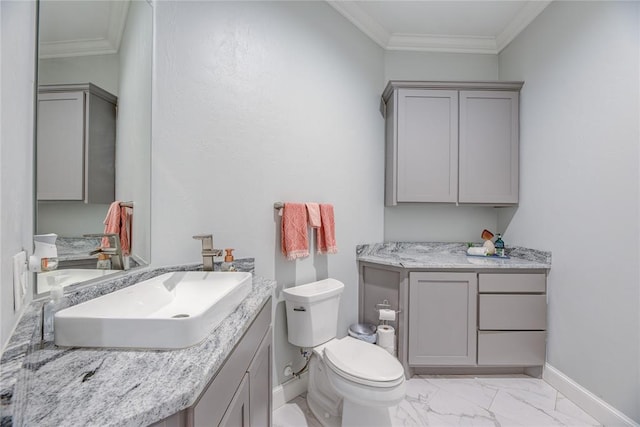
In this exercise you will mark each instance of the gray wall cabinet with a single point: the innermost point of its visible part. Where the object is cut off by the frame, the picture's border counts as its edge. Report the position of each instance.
(76, 143)
(461, 322)
(451, 142)
(240, 392)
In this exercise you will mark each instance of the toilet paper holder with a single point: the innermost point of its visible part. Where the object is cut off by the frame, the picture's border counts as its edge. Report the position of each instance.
(385, 306)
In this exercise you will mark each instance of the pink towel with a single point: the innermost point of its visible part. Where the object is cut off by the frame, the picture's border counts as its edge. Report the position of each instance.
(326, 234)
(125, 230)
(111, 222)
(117, 221)
(313, 210)
(295, 239)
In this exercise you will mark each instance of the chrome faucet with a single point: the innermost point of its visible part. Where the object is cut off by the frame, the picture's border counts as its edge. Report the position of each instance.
(207, 251)
(114, 251)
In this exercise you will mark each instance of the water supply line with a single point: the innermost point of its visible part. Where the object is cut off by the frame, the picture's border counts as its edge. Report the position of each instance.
(307, 355)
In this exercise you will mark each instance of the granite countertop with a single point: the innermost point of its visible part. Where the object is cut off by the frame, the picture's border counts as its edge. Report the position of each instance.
(77, 248)
(437, 255)
(45, 385)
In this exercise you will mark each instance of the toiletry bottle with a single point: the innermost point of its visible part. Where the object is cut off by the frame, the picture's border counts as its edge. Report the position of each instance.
(499, 246)
(227, 265)
(104, 262)
(49, 310)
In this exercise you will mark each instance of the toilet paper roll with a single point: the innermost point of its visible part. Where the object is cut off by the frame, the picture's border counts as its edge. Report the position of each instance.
(386, 314)
(477, 251)
(387, 338)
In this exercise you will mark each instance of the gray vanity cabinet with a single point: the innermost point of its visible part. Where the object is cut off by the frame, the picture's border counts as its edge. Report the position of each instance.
(512, 319)
(240, 392)
(76, 137)
(442, 319)
(237, 414)
(451, 142)
(465, 321)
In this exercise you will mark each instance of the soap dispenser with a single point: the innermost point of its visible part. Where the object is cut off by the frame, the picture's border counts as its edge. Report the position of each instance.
(499, 244)
(227, 265)
(45, 254)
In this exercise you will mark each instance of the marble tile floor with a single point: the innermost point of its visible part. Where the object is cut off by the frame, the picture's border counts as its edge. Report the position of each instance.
(466, 401)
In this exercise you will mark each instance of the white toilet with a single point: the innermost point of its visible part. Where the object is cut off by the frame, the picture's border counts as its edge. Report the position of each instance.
(351, 382)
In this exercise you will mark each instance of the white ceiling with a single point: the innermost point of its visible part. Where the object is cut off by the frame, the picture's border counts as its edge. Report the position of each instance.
(93, 27)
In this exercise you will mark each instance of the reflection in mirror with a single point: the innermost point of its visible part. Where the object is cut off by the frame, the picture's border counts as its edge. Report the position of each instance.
(94, 135)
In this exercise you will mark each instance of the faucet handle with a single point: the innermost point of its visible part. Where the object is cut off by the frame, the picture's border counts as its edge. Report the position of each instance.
(207, 241)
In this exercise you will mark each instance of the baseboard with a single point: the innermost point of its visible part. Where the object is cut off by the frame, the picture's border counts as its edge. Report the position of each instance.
(289, 390)
(589, 402)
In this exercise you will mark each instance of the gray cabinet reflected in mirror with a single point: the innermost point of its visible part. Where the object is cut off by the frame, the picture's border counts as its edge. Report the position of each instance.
(93, 133)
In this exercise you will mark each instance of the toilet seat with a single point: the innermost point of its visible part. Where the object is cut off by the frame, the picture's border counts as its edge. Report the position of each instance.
(363, 363)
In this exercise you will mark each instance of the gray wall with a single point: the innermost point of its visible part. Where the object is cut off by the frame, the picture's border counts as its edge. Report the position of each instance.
(101, 70)
(579, 187)
(17, 85)
(438, 222)
(259, 102)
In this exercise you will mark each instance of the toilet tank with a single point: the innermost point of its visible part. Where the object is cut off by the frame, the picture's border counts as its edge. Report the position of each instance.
(312, 312)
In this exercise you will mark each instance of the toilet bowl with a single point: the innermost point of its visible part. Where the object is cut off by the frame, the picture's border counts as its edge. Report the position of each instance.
(351, 382)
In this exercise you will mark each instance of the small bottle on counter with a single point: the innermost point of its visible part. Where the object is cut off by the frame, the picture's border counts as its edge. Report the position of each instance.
(228, 265)
(499, 244)
(104, 262)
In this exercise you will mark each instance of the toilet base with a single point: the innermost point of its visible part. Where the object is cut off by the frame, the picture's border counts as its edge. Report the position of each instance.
(323, 402)
(324, 417)
(354, 415)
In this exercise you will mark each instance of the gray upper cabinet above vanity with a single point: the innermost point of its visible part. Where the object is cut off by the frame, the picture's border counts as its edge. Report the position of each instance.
(451, 142)
(76, 143)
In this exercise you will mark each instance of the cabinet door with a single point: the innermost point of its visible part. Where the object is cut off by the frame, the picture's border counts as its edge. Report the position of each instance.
(427, 145)
(60, 146)
(237, 414)
(260, 389)
(442, 319)
(488, 147)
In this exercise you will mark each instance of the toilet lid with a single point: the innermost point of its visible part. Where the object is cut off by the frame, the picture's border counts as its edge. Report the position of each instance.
(362, 360)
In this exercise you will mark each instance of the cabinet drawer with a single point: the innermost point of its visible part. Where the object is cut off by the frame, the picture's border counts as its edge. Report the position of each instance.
(512, 312)
(511, 283)
(499, 348)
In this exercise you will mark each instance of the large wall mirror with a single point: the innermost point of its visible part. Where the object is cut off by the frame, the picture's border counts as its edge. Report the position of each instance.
(93, 134)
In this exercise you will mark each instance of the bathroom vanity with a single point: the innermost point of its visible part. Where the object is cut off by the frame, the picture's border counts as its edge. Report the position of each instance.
(458, 314)
(225, 379)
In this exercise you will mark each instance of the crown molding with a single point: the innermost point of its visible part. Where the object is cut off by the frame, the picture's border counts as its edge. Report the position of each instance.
(100, 46)
(361, 19)
(526, 15)
(435, 42)
(441, 43)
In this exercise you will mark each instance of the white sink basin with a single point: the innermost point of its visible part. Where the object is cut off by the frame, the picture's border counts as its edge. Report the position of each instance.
(68, 277)
(173, 310)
